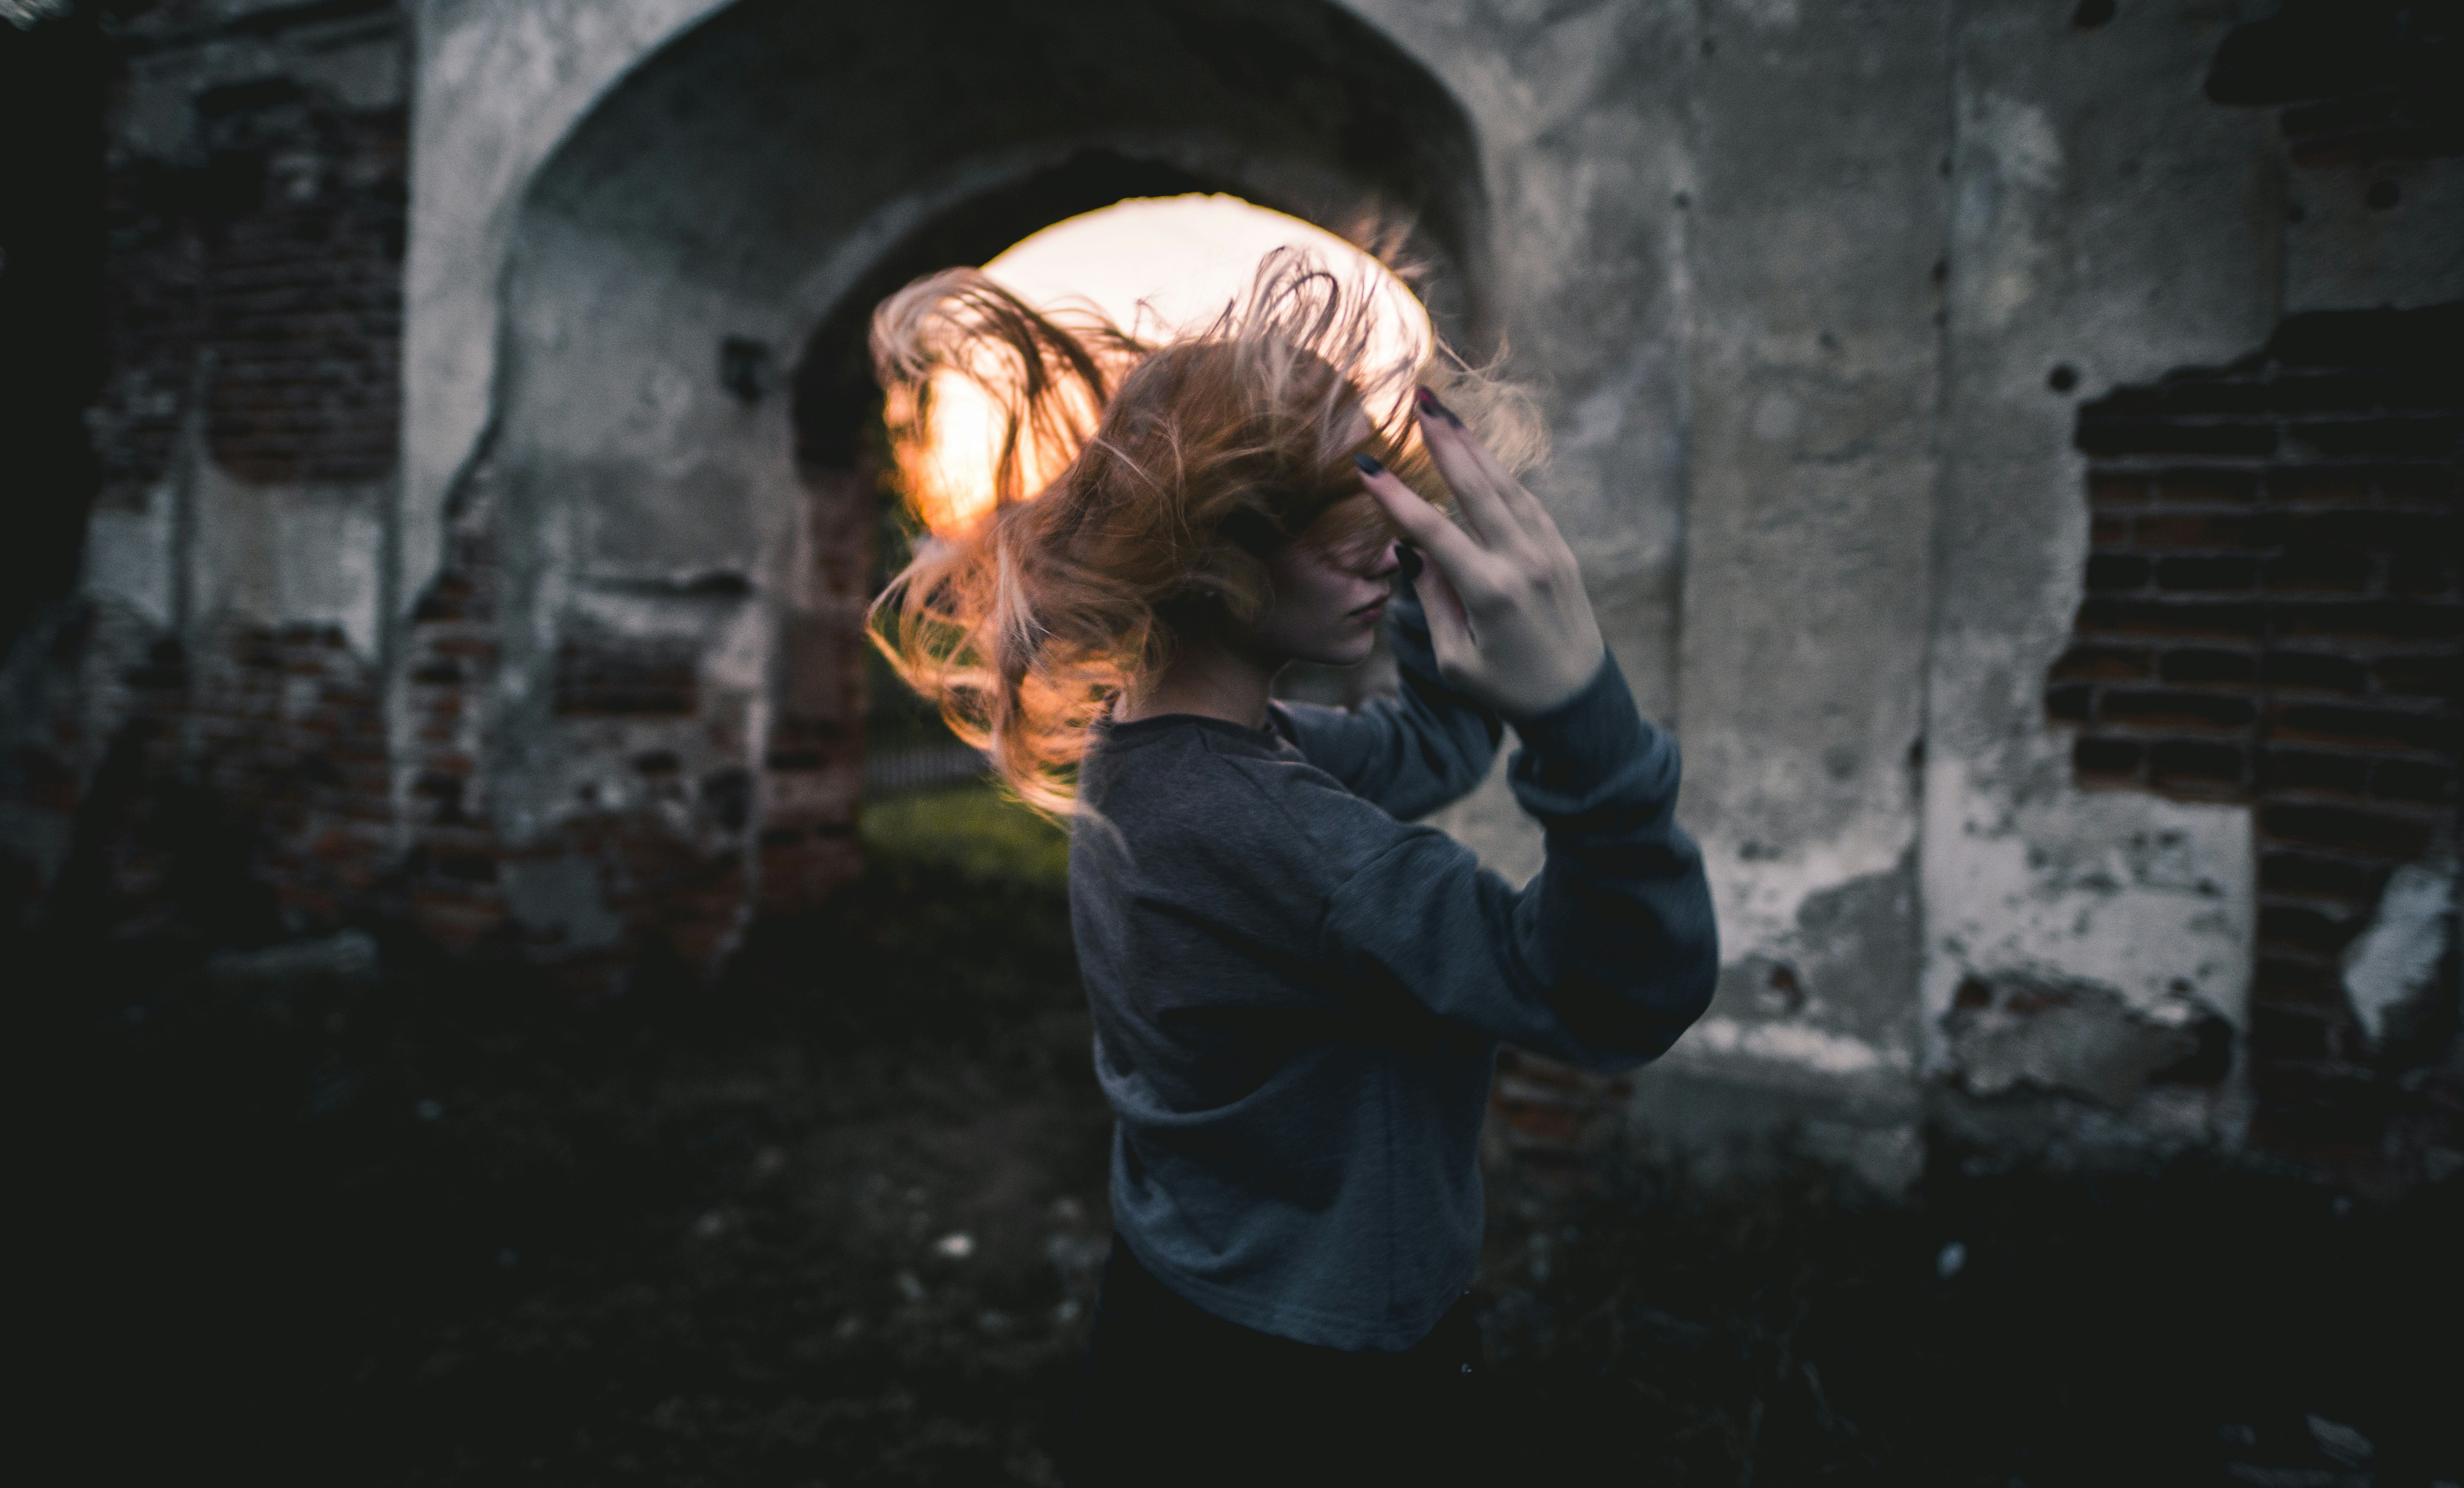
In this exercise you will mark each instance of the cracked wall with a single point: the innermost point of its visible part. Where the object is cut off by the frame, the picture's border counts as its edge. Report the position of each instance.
(1825, 303)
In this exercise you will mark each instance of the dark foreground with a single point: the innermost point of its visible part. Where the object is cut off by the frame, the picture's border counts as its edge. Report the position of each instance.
(838, 1223)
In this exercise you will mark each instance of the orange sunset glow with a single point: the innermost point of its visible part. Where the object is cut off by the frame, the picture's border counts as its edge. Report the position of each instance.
(1153, 264)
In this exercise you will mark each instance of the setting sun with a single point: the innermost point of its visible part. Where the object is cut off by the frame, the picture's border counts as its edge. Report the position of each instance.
(1152, 265)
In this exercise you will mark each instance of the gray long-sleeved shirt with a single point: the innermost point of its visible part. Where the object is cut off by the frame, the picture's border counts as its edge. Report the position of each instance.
(1298, 996)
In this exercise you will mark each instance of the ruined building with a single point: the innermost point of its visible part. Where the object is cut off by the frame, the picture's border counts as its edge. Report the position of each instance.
(2015, 443)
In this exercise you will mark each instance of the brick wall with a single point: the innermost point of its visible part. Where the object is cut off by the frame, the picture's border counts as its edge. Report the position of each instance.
(1551, 1122)
(233, 788)
(812, 782)
(253, 214)
(450, 655)
(250, 211)
(667, 867)
(285, 726)
(2275, 613)
(2353, 80)
(266, 228)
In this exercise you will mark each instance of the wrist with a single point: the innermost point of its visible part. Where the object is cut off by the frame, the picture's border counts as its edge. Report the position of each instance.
(1566, 697)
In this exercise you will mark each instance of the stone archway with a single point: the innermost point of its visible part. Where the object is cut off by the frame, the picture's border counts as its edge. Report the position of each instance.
(676, 523)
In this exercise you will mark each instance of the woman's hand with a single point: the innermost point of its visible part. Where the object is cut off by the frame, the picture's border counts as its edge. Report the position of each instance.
(1507, 615)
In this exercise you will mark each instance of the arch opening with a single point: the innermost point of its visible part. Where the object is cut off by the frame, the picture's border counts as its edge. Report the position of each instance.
(1156, 267)
(689, 436)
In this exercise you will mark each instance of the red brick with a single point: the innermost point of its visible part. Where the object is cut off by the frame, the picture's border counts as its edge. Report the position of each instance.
(2313, 671)
(2185, 762)
(2383, 728)
(2414, 780)
(2105, 663)
(2207, 487)
(2320, 875)
(2209, 574)
(2400, 838)
(2175, 709)
(2330, 487)
(2208, 532)
(2105, 762)
(2439, 674)
(2203, 664)
(2397, 618)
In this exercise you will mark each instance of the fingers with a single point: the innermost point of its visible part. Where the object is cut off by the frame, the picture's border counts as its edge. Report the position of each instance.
(1450, 632)
(1443, 542)
(1455, 451)
(1443, 430)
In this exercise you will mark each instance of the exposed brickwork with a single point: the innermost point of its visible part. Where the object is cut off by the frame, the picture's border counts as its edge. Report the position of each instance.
(251, 235)
(1553, 1119)
(256, 756)
(285, 726)
(627, 676)
(667, 891)
(268, 234)
(812, 783)
(2274, 612)
(2354, 80)
(254, 215)
(451, 653)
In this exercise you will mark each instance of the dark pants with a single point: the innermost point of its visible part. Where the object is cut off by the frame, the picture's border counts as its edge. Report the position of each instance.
(1174, 1395)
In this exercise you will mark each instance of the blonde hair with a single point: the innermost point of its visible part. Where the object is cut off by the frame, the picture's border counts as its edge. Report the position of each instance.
(1186, 463)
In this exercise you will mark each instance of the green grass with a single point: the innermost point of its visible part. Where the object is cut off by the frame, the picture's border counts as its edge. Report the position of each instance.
(972, 827)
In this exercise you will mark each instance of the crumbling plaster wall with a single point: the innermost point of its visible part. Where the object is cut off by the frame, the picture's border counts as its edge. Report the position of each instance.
(1583, 163)
(226, 635)
(212, 509)
(1796, 280)
(628, 472)
(1914, 237)
(1816, 220)
(2111, 221)
(723, 201)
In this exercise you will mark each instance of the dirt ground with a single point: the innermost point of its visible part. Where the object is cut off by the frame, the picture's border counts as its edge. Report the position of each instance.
(839, 1221)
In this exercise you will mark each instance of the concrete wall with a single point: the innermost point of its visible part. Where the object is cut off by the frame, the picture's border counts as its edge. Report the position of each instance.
(1813, 294)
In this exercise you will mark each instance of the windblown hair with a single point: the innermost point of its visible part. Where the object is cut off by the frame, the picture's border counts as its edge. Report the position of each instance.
(1183, 464)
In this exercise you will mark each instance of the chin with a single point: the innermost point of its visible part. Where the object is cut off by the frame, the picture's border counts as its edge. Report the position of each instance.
(1347, 652)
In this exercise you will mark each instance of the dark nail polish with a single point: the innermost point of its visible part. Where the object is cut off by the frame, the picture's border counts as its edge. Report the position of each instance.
(1429, 405)
(1409, 557)
(1369, 465)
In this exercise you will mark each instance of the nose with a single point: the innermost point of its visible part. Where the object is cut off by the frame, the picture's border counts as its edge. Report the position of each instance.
(1390, 561)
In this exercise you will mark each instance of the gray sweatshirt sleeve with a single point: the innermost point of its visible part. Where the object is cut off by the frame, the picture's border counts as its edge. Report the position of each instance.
(1410, 754)
(1606, 955)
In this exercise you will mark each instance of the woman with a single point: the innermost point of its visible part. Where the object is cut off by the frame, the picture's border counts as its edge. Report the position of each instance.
(1298, 996)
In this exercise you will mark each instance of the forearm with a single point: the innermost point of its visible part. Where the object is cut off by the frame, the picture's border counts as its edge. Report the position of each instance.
(1618, 925)
(1602, 959)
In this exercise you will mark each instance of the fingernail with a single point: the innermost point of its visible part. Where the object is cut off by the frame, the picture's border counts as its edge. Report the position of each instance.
(1369, 465)
(1409, 557)
(1428, 402)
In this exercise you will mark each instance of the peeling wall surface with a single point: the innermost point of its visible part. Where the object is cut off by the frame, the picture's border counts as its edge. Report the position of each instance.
(2082, 164)
(1814, 295)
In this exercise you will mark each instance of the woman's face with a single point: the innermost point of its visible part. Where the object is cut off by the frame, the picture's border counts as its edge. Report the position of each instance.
(1328, 600)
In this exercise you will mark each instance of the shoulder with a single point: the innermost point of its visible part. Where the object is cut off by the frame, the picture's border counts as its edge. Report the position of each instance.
(1313, 818)
(1244, 800)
